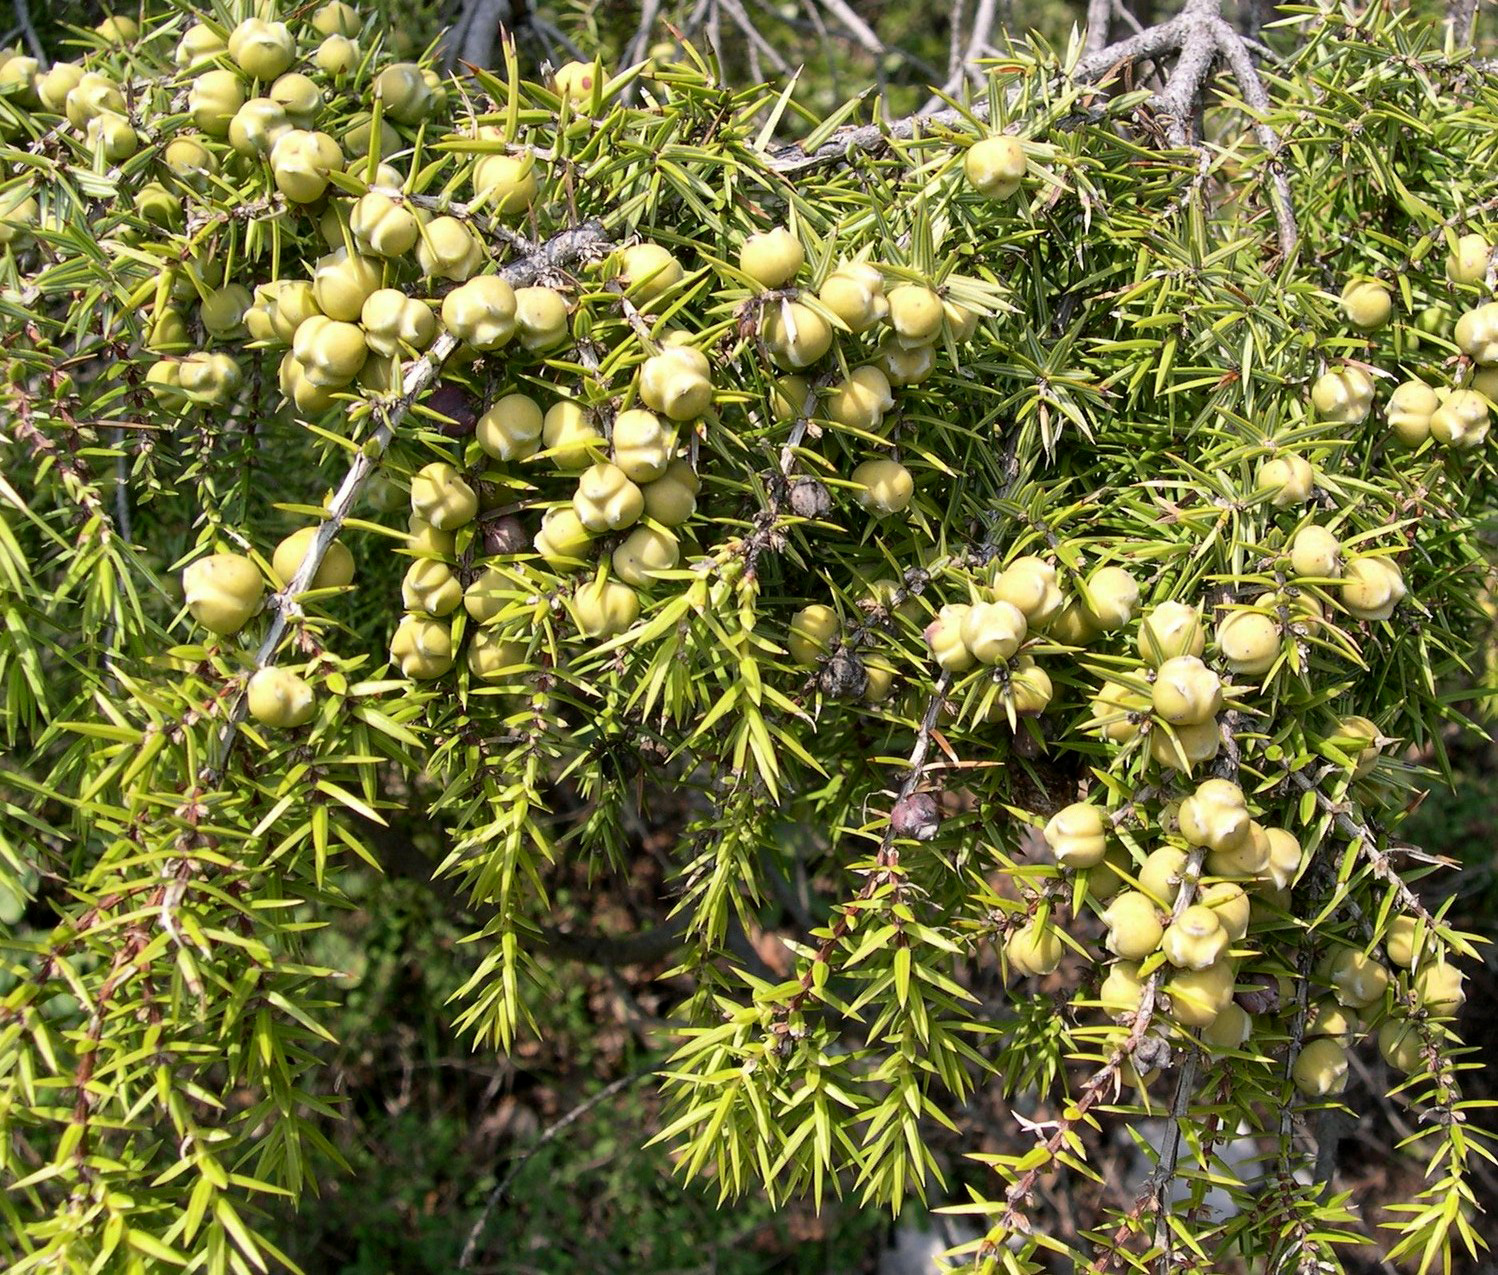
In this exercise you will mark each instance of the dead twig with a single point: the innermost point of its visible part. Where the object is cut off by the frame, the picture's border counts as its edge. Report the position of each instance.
(481, 1223)
(1099, 14)
(1366, 839)
(863, 34)
(28, 29)
(1459, 15)
(965, 55)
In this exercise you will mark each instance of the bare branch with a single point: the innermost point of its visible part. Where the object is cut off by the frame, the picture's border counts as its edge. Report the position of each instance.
(757, 43)
(1459, 16)
(982, 32)
(1124, 14)
(639, 43)
(1180, 99)
(614, 950)
(1099, 12)
(28, 29)
(957, 18)
(490, 16)
(1366, 840)
(1252, 18)
(1199, 36)
(1149, 43)
(1257, 97)
(862, 33)
(966, 63)
(470, 1245)
(556, 37)
(819, 27)
(1165, 1170)
(715, 31)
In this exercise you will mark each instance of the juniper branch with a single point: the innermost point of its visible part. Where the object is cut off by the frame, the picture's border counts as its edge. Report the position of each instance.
(792, 160)
(887, 858)
(470, 40)
(566, 247)
(1366, 839)
(1096, 1085)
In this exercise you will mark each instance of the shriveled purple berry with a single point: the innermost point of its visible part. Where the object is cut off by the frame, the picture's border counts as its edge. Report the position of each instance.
(916, 817)
(505, 535)
(457, 405)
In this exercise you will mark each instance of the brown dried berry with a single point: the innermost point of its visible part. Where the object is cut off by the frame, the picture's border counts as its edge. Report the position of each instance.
(506, 535)
(1152, 1052)
(843, 676)
(1026, 745)
(916, 817)
(809, 498)
(455, 404)
(1263, 997)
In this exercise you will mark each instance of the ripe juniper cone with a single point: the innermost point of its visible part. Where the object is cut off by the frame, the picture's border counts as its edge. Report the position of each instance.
(1074, 519)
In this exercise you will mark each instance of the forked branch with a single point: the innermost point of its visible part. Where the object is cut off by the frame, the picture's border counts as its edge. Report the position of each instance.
(1198, 38)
